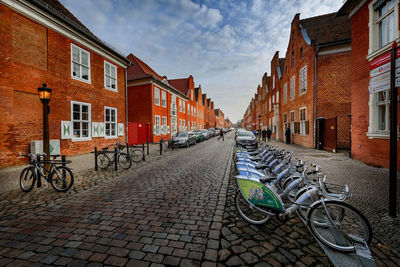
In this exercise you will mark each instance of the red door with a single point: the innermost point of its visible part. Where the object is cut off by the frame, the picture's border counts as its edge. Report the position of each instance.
(137, 133)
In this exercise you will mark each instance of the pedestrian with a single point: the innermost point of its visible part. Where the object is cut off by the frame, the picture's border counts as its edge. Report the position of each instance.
(264, 135)
(287, 134)
(269, 133)
(221, 134)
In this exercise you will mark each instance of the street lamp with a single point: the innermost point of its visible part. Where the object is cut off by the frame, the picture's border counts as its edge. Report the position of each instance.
(45, 96)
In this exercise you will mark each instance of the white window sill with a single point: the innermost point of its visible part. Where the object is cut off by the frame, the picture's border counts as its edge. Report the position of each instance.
(303, 93)
(110, 137)
(380, 135)
(81, 80)
(381, 50)
(81, 139)
(110, 89)
(291, 99)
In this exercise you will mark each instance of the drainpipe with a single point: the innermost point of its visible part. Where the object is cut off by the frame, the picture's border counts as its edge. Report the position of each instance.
(315, 97)
(126, 104)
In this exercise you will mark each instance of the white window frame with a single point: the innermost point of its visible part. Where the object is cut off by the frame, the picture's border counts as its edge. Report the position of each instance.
(285, 93)
(89, 121)
(163, 99)
(303, 120)
(303, 81)
(373, 128)
(111, 66)
(157, 96)
(157, 124)
(292, 87)
(269, 104)
(81, 50)
(374, 38)
(292, 121)
(277, 98)
(164, 124)
(105, 123)
(273, 82)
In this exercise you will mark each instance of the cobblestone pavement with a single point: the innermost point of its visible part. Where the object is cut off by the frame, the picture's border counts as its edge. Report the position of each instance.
(167, 212)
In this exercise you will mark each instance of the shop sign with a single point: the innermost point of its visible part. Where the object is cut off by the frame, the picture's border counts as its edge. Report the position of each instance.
(380, 73)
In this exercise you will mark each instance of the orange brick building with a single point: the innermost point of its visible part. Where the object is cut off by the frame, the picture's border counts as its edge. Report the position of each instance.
(42, 42)
(374, 27)
(153, 101)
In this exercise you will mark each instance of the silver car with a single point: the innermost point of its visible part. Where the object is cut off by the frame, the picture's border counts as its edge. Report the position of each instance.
(205, 134)
(246, 138)
(183, 139)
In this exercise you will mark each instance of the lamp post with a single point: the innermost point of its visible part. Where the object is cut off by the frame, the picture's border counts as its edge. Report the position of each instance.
(45, 96)
(259, 127)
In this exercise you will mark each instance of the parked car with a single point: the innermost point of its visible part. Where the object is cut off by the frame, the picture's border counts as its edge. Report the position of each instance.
(183, 139)
(205, 134)
(246, 138)
(212, 132)
(217, 131)
(199, 136)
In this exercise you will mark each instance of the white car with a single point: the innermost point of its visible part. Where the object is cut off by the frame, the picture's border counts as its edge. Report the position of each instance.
(246, 138)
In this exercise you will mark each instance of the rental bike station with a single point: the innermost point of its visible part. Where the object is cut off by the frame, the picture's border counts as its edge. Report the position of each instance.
(271, 185)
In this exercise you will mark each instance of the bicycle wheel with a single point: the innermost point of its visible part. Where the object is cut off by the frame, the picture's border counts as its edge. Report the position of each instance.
(136, 155)
(348, 224)
(248, 213)
(103, 161)
(124, 161)
(27, 179)
(61, 178)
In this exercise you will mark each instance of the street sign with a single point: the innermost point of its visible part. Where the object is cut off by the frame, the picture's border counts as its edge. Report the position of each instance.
(380, 73)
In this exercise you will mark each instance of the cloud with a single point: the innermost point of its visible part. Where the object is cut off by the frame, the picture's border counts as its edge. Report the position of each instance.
(226, 45)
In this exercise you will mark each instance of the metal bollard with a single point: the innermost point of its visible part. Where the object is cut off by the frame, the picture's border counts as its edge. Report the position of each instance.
(115, 159)
(144, 155)
(148, 150)
(127, 150)
(96, 168)
(39, 181)
(64, 163)
(161, 143)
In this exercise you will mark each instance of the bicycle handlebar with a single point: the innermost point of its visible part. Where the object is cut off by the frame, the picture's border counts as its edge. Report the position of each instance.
(30, 155)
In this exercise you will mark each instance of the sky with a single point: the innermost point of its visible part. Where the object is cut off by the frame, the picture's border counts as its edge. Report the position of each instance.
(225, 45)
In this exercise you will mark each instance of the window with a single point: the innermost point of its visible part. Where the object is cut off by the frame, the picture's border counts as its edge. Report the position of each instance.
(156, 96)
(277, 97)
(180, 105)
(292, 59)
(188, 109)
(273, 82)
(110, 76)
(301, 52)
(183, 106)
(303, 121)
(285, 93)
(303, 80)
(269, 102)
(164, 125)
(292, 122)
(80, 64)
(285, 119)
(157, 125)
(164, 99)
(183, 123)
(382, 27)
(292, 87)
(379, 121)
(110, 119)
(81, 118)
(173, 125)
(180, 125)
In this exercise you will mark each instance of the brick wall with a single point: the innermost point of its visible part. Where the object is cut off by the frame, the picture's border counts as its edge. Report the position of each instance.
(334, 94)
(30, 55)
(371, 151)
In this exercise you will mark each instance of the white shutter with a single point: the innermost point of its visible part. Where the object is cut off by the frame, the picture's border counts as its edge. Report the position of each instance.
(120, 129)
(66, 129)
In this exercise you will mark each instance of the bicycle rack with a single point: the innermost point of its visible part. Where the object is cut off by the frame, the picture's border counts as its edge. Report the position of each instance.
(361, 257)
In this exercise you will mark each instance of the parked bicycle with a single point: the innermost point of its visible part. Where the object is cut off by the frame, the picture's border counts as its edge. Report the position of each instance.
(60, 177)
(107, 157)
(135, 154)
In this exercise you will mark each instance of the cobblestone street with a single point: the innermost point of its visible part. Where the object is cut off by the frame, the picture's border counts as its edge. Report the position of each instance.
(176, 209)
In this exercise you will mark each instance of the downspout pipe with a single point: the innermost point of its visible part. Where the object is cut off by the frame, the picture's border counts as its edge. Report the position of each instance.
(315, 97)
(126, 103)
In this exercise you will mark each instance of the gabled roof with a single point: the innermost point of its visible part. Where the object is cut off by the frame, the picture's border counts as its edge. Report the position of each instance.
(181, 85)
(197, 93)
(203, 97)
(347, 7)
(140, 70)
(209, 102)
(56, 9)
(281, 66)
(327, 28)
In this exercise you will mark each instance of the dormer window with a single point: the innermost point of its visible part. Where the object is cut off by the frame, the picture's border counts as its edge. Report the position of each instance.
(292, 59)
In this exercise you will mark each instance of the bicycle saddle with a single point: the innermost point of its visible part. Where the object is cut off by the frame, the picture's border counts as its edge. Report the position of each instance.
(261, 166)
(266, 179)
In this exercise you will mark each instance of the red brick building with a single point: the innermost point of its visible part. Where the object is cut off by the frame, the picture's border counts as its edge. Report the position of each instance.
(219, 118)
(42, 42)
(374, 27)
(153, 101)
(199, 108)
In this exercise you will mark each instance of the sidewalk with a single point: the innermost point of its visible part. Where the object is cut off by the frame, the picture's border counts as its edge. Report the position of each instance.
(9, 177)
(369, 187)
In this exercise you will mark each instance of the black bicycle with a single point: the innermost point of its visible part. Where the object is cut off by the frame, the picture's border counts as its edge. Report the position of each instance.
(107, 157)
(60, 177)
